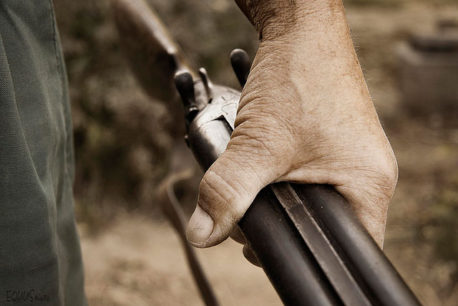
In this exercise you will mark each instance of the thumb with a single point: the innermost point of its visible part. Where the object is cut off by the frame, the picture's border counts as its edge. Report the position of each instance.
(226, 191)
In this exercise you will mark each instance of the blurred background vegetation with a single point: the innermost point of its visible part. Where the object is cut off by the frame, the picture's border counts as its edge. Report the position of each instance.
(123, 138)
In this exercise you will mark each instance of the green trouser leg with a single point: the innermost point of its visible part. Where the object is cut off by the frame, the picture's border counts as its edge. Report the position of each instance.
(40, 257)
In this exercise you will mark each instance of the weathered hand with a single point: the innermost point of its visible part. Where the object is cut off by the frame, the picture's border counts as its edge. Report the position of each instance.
(305, 116)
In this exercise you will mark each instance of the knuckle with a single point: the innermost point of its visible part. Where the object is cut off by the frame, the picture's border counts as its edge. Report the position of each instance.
(388, 175)
(383, 183)
(373, 184)
(381, 172)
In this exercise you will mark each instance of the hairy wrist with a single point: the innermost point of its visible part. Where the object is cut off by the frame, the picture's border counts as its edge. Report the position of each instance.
(275, 18)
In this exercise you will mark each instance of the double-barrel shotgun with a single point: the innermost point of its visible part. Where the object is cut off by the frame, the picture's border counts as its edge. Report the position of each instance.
(306, 237)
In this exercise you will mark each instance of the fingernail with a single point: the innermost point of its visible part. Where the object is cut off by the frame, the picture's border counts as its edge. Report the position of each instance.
(200, 227)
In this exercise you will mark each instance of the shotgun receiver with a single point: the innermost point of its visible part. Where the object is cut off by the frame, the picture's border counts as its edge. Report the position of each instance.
(306, 237)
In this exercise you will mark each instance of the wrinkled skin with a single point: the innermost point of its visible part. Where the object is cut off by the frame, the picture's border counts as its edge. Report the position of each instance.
(305, 116)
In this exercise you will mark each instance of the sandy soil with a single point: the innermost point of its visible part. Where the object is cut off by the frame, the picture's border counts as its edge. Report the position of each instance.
(140, 262)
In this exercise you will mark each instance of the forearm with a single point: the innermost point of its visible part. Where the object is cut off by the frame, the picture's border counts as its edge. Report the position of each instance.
(274, 18)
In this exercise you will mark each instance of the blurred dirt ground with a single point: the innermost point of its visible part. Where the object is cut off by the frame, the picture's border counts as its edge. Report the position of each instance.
(123, 142)
(139, 262)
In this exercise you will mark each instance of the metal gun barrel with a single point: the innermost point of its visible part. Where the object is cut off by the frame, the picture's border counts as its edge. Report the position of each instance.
(311, 246)
(371, 268)
(153, 55)
(309, 243)
(296, 273)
